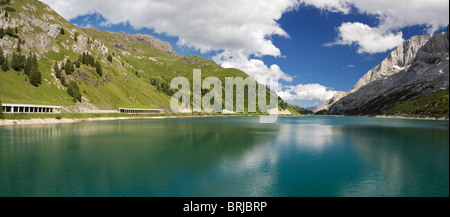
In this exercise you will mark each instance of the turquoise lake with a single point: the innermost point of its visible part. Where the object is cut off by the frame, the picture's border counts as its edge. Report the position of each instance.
(227, 157)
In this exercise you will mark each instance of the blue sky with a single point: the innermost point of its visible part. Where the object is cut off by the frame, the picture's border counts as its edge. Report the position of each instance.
(315, 47)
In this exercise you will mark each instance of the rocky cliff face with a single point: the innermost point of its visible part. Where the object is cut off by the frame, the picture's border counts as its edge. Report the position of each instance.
(400, 59)
(40, 28)
(338, 96)
(154, 42)
(417, 68)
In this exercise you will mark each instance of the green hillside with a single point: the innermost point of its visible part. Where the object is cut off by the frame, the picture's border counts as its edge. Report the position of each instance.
(297, 109)
(433, 105)
(118, 86)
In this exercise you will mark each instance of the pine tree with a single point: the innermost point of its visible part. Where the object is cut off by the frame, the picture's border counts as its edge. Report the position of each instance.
(31, 69)
(63, 81)
(28, 65)
(62, 31)
(74, 91)
(78, 64)
(22, 61)
(110, 58)
(83, 58)
(9, 31)
(98, 68)
(2, 56)
(19, 49)
(69, 67)
(59, 75)
(91, 61)
(35, 61)
(15, 62)
(57, 71)
(5, 65)
(87, 59)
(35, 76)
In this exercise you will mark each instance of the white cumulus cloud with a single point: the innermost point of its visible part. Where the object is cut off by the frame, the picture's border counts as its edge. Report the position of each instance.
(392, 16)
(235, 29)
(245, 27)
(368, 40)
(254, 67)
(240, 31)
(329, 5)
(307, 92)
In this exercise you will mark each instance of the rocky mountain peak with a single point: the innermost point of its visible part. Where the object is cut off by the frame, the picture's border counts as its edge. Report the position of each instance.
(155, 43)
(417, 68)
(400, 59)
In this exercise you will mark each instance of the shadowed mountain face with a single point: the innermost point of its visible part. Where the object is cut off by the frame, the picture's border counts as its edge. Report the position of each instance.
(417, 68)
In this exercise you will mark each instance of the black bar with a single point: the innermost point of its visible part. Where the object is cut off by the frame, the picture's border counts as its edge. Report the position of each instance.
(274, 206)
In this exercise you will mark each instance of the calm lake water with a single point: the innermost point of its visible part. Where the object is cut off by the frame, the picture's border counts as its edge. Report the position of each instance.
(227, 157)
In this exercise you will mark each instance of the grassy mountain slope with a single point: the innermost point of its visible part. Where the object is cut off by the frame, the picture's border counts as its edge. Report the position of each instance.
(295, 109)
(141, 65)
(148, 63)
(433, 105)
(119, 85)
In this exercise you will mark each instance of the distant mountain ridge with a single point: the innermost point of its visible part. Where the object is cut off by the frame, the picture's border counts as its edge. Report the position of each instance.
(415, 69)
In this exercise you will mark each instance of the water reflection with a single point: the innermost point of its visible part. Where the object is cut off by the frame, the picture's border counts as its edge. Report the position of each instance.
(314, 136)
(252, 173)
(226, 157)
(402, 161)
(128, 158)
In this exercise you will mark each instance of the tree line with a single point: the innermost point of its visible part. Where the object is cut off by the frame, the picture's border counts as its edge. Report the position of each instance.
(88, 60)
(7, 8)
(68, 67)
(29, 65)
(8, 31)
(432, 105)
(5, 2)
(72, 87)
(162, 86)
